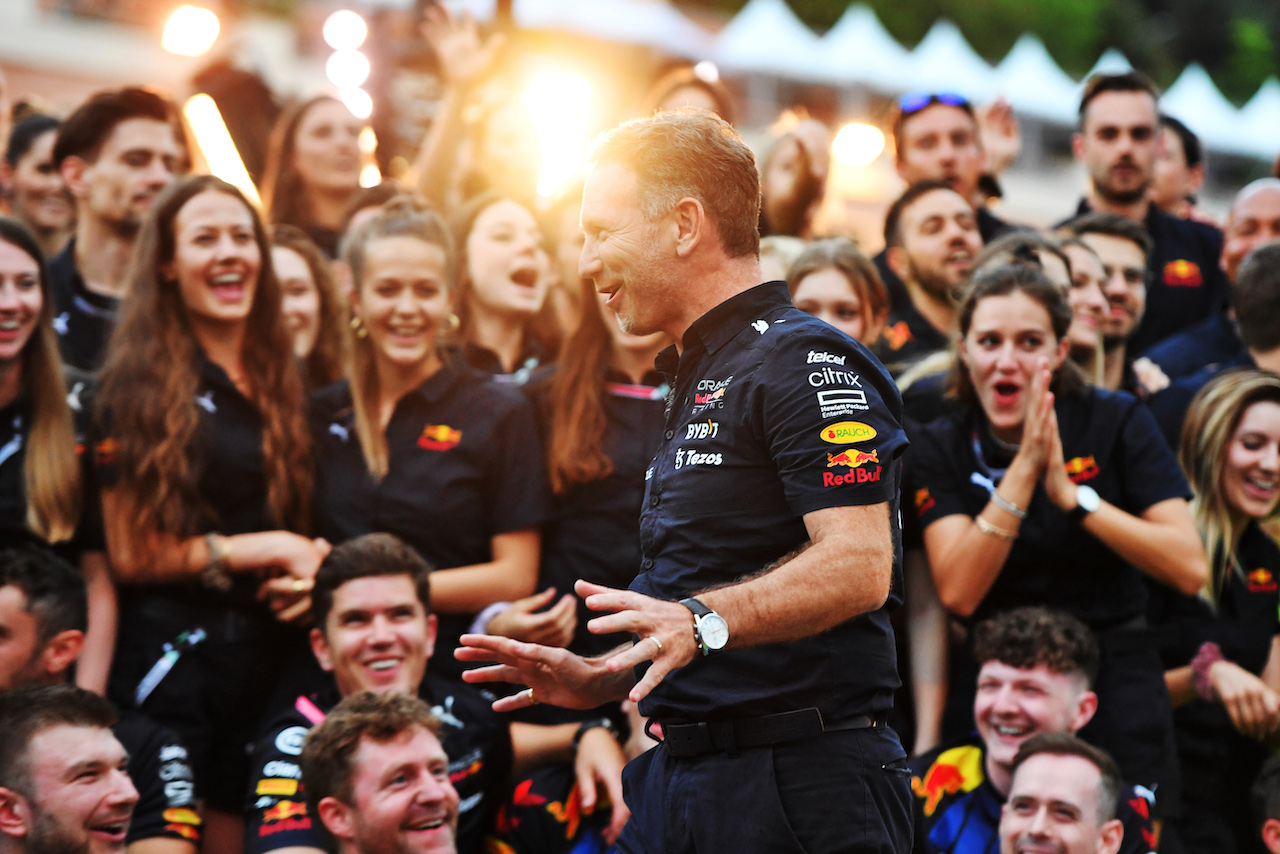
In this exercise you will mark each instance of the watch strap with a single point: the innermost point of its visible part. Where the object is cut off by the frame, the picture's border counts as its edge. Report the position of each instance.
(698, 609)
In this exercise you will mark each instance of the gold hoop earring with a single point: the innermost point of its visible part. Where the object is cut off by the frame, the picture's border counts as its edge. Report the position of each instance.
(455, 322)
(358, 327)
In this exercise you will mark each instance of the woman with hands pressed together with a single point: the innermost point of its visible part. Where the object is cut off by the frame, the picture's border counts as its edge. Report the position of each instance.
(205, 465)
(1040, 489)
(1221, 645)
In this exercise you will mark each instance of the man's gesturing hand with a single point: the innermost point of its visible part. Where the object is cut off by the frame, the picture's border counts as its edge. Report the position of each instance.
(665, 630)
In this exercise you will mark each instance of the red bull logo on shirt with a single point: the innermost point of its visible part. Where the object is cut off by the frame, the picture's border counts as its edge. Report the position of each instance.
(284, 810)
(1183, 274)
(439, 437)
(956, 770)
(1261, 581)
(898, 335)
(924, 501)
(854, 459)
(1080, 469)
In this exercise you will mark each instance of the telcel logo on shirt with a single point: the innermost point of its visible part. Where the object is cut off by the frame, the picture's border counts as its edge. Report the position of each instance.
(818, 357)
(847, 433)
(439, 437)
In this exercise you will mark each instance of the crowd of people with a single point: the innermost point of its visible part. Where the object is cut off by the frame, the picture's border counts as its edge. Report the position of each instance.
(265, 470)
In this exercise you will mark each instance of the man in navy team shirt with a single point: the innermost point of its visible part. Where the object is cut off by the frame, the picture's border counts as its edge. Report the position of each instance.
(770, 544)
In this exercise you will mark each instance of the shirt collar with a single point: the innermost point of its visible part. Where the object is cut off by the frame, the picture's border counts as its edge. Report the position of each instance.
(721, 324)
(439, 383)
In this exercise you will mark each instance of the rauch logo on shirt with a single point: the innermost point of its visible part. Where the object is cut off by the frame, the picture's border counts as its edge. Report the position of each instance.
(847, 433)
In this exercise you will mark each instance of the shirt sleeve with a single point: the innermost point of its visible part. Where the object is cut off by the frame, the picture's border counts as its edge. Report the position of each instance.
(158, 765)
(518, 495)
(276, 811)
(936, 476)
(1151, 473)
(832, 422)
(1134, 812)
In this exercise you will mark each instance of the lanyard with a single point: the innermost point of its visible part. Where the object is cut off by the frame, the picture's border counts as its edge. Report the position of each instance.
(988, 478)
(638, 392)
(159, 670)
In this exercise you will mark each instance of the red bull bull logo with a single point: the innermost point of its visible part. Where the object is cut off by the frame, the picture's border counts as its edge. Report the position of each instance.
(1080, 469)
(285, 810)
(852, 458)
(924, 501)
(1183, 274)
(956, 770)
(1261, 581)
(898, 335)
(709, 397)
(439, 437)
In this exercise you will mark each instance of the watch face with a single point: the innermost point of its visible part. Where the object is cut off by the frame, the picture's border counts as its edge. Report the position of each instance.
(1088, 498)
(714, 631)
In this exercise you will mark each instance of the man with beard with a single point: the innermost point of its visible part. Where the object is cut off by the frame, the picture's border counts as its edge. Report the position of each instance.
(117, 151)
(1062, 798)
(1122, 246)
(937, 137)
(378, 777)
(932, 237)
(64, 788)
(1117, 140)
(42, 624)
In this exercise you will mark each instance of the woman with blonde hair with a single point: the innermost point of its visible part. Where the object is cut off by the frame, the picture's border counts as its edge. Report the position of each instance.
(1222, 667)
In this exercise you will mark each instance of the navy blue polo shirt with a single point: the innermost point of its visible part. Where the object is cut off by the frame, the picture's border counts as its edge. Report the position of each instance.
(464, 465)
(83, 319)
(230, 479)
(773, 414)
(1185, 283)
(1213, 340)
(1171, 403)
(1110, 442)
(907, 338)
(594, 529)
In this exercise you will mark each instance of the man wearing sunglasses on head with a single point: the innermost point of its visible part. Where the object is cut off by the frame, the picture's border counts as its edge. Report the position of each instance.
(937, 137)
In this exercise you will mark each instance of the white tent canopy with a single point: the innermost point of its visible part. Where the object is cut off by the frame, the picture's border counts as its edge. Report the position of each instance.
(858, 49)
(1259, 123)
(944, 62)
(1200, 106)
(652, 23)
(766, 37)
(1034, 84)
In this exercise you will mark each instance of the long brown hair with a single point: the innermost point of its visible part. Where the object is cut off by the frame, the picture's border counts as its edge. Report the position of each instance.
(575, 451)
(51, 473)
(284, 198)
(1211, 424)
(401, 217)
(150, 382)
(327, 362)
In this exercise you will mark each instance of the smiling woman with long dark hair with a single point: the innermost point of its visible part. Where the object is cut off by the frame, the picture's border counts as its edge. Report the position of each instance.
(206, 468)
(1042, 490)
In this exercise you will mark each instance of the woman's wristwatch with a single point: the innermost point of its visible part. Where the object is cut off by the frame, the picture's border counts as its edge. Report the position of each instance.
(1087, 501)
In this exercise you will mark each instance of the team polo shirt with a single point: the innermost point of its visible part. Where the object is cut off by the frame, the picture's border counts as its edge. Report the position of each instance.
(228, 468)
(1110, 442)
(83, 319)
(956, 810)
(1171, 403)
(475, 739)
(167, 807)
(594, 529)
(773, 414)
(15, 437)
(908, 337)
(1185, 283)
(464, 465)
(1213, 340)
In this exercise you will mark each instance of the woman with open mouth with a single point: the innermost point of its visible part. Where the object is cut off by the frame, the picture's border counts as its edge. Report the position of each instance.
(504, 273)
(1221, 645)
(204, 457)
(1038, 489)
(418, 443)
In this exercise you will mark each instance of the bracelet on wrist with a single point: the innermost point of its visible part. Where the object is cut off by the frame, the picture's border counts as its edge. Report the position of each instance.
(216, 574)
(987, 528)
(1208, 655)
(1008, 506)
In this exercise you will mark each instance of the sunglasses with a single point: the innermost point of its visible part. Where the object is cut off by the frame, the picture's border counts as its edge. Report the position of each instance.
(914, 102)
